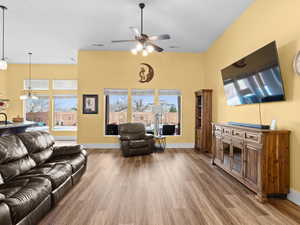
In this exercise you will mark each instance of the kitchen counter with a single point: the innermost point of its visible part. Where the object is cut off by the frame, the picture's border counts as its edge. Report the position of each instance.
(15, 128)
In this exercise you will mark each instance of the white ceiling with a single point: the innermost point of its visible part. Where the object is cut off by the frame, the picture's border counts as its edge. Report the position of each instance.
(54, 30)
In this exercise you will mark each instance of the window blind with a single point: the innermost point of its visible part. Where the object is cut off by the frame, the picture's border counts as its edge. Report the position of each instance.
(169, 92)
(64, 84)
(108, 91)
(142, 92)
(39, 85)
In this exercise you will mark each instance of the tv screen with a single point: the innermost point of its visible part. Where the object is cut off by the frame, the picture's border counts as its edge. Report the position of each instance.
(255, 78)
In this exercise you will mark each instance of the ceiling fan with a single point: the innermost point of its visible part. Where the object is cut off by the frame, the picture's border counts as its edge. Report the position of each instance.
(144, 42)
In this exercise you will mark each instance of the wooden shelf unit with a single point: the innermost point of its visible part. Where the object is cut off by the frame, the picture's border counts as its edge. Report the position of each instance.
(203, 116)
(257, 158)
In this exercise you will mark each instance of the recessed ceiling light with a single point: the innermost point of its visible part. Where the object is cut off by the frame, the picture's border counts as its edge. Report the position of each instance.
(98, 45)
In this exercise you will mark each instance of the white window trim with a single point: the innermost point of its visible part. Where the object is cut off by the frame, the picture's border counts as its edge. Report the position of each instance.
(53, 127)
(181, 117)
(104, 107)
(66, 89)
(24, 110)
(129, 119)
(35, 89)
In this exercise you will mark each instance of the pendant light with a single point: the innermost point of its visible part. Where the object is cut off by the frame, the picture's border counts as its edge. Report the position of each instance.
(3, 63)
(29, 94)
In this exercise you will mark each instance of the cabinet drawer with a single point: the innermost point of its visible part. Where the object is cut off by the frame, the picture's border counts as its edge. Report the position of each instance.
(253, 137)
(218, 133)
(238, 143)
(227, 131)
(238, 133)
(218, 128)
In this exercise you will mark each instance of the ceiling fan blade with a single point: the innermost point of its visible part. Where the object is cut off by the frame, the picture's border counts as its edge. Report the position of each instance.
(135, 31)
(122, 41)
(157, 48)
(160, 37)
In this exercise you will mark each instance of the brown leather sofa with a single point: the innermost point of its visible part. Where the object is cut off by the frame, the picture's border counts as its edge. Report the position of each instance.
(134, 140)
(35, 175)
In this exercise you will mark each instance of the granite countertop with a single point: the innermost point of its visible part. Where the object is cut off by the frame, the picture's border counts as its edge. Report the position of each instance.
(16, 125)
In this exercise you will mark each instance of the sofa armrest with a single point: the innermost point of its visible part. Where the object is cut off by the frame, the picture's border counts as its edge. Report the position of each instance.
(67, 150)
(5, 217)
(124, 138)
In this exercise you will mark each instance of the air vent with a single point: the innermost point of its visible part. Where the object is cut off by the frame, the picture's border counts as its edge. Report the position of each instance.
(98, 45)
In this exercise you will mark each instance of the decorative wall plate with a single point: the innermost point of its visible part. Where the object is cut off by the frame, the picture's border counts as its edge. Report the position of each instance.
(146, 74)
(296, 64)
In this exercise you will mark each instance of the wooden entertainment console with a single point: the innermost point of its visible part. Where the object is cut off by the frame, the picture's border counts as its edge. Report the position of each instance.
(258, 158)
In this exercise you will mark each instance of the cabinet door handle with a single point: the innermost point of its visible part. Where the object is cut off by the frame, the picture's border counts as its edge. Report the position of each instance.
(252, 136)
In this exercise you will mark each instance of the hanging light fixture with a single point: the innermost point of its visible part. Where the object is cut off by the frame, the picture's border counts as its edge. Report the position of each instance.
(3, 63)
(29, 94)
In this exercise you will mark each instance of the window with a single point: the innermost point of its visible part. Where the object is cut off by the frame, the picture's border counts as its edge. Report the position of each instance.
(116, 105)
(65, 113)
(38, 85)
(64, 85)
(38, 110)
(170, 102)
(142, 104)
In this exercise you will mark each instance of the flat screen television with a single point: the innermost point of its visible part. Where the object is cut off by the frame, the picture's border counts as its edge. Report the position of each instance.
(254, 79)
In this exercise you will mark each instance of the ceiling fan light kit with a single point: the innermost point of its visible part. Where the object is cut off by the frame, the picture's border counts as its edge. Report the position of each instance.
(145, 52)
(3, 63)
(145, 43)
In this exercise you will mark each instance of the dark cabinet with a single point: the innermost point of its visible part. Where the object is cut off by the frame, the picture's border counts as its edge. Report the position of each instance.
(203, 117)
(257, 158)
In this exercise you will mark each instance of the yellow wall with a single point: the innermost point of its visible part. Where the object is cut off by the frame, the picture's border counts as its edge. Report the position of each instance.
(2, 84)
(102, 69)
(263, 22)
(17, 73)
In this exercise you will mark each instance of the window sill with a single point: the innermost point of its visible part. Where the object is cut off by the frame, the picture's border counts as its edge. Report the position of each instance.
(71, 129)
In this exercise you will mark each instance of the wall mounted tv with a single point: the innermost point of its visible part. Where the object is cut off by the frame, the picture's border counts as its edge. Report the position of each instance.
(255, 78)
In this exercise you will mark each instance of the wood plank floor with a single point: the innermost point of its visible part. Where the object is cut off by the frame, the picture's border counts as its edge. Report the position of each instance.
(178, 187)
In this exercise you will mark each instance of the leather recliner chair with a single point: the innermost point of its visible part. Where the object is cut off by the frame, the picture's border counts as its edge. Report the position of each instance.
(134, 140)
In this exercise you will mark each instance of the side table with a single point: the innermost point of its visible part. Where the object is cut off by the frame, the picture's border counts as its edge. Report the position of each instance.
(160, 143)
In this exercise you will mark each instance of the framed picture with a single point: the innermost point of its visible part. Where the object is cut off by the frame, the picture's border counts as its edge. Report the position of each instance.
(90, 104)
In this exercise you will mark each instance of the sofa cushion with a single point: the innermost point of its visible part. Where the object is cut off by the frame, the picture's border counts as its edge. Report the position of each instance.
(39, 145)
(15, 168)
(14, 158)
(57, 173)
(67, 150)
(23, 195)
(75, 160)
(138, 143)
(11, 149)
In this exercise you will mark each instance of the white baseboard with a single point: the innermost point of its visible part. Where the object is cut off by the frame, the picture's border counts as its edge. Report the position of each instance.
(65, 138)
(180, 145)
(102, 146)
(294, 196)
(117, 145)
